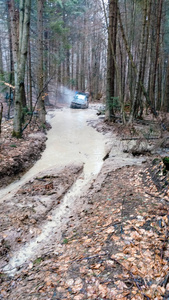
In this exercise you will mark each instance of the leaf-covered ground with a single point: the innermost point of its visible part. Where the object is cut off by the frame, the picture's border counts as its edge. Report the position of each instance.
(119, 251)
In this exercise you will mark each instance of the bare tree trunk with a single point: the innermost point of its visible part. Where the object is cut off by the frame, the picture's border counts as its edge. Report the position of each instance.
(72, 67)
(11, 79)
(141, 83)
(46, 37)
(68, 68)
(148, 21)
(111, 56)
(159, 18)
(82, 66)
(1, 61)
(24, 23)
(30, 78)
(159, 80)
(14, 25)
(77, 65)
(40, 79)
(166, 96)
(137, 103)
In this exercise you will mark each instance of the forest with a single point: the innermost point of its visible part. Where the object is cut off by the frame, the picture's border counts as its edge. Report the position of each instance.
(116, 51)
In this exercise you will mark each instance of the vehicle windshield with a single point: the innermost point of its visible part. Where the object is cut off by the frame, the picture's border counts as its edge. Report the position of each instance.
(80, 97)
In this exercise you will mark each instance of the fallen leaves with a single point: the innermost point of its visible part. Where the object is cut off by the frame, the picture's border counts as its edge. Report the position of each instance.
(118, 252)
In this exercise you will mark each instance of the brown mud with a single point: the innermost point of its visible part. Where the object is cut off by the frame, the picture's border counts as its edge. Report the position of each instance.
(18, 155)
(23, 215)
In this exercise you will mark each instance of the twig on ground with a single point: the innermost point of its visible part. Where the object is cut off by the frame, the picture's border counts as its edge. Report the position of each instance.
(165, 281)
(117, 262)
(131, 274)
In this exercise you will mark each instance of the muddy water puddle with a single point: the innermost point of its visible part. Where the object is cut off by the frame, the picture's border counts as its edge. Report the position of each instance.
(70, 140)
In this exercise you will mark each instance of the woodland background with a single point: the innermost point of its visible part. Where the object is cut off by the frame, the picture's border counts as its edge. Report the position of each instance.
(115, 50)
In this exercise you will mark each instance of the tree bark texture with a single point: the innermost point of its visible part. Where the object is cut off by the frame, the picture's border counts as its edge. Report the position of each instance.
(24, 23)
(14, 26)
(159, 19)
(40, 79)
(166, 96)
(112, 33)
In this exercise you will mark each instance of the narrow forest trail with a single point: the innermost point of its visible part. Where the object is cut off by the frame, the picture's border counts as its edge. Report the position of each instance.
(70, 141)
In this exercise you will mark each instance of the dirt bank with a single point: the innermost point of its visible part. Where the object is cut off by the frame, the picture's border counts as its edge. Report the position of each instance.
(18, 155)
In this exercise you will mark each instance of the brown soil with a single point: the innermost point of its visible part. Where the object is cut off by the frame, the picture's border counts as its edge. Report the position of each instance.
(18, 155)
(31, 206)
(118, 250)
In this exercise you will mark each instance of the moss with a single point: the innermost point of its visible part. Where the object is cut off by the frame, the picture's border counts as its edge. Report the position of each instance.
(166, 162)
(18, 135)
(38, 261)
(164, 171)
(65, 241)
(156, 161)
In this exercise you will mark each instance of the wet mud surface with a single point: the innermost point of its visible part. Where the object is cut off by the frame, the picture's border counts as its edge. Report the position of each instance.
(18, 155)
(32, 211)
(22, 217)
(111, 245)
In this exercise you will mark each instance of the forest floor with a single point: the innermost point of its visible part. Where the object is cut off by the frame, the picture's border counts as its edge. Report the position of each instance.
(116, 248)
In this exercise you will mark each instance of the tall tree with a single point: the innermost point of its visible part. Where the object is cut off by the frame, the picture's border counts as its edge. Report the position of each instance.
(24, 23)
(166, 95)
(111, 56)
(40, 73)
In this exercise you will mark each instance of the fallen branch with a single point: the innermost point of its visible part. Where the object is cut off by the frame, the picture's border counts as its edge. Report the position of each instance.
(135, 139)
(157, 197)
(131, 274)
(117, 262)
(8, 84)
(165, 281)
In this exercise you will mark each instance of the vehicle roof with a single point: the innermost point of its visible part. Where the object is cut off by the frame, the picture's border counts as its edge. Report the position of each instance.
(80, 96)
(82, 93)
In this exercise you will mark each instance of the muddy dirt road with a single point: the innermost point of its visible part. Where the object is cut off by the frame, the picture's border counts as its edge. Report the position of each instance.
(37, 208)
(72, 148)
(70, 140)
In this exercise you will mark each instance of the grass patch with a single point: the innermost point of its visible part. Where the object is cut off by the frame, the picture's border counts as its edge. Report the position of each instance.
(38, 261)
(65, 241)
